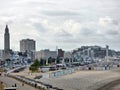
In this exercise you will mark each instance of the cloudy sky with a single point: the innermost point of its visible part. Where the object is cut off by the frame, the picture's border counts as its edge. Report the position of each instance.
(67, 24)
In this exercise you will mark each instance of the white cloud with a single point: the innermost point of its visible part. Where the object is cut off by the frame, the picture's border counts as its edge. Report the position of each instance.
(72, 27)
(105, 21)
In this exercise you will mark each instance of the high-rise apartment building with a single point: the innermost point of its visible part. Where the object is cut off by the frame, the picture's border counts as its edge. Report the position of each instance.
(27, 45)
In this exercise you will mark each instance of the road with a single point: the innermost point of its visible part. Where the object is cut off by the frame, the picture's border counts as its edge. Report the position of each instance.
(10, 81)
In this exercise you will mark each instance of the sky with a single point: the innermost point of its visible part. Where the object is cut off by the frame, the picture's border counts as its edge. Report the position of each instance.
(68, 24)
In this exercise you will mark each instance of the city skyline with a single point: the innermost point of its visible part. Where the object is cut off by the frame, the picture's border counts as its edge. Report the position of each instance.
(67, 25)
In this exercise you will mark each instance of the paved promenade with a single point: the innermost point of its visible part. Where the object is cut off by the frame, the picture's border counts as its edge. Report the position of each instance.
(10, 81)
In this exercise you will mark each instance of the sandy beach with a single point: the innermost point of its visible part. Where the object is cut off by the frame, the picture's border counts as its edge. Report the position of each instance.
(80, 80)
(84, 80)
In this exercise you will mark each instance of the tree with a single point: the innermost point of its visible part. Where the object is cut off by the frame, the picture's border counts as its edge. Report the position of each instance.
(7, 60)
(50, 60)
(36, 63)
(20, 53)
(53, 60)
(58, 59)
(35, 66)
(66, 60)
(42, 62)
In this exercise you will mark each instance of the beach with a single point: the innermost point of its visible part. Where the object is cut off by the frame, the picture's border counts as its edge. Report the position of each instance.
(84, 80)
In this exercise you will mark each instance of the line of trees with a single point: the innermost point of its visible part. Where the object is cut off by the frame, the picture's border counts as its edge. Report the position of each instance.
(42, 62)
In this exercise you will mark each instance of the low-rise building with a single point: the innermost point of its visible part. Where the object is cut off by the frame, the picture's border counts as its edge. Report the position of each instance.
(1, 56)
(45, 54)
(68, 55)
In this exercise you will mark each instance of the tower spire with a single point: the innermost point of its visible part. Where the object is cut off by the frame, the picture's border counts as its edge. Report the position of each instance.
(6, 29)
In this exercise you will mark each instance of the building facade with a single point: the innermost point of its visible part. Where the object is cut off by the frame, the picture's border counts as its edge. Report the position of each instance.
(29, 46)
(1, 56)
(87, 53)
(68, 55)
(45, 54)
(60, 53)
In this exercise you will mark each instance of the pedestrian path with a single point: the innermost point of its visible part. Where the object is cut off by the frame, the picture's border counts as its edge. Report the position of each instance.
(10, 82)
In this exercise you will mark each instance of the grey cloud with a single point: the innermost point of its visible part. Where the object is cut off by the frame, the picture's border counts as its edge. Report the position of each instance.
(113, 32)
(63, 34)
(34, 3)
(87, 31)
(116, 22)
(60, 13)
(67, 40)
(40, 27)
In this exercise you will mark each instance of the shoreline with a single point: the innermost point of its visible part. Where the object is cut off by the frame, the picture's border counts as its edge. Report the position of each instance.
(111, 85)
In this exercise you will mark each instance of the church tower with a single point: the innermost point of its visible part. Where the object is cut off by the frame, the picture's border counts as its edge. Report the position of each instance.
(7, 43)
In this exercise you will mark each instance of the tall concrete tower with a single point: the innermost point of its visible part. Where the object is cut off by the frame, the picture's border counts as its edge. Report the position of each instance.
(6, 39)
(6, 43)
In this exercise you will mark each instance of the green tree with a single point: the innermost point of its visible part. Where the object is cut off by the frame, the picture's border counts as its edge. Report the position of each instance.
(36, 63)
(49, 60)
(35, 66)
(53, 60)
(42, 62)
